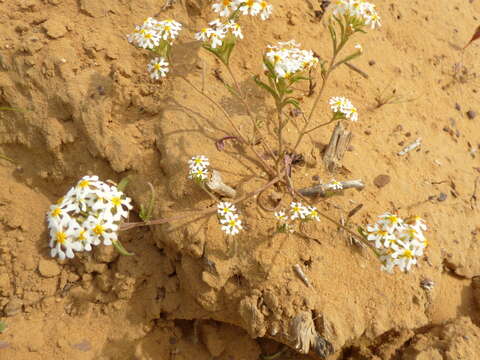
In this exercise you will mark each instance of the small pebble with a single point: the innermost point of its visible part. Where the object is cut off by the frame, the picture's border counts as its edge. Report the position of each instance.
(371, 62)
(471, 114)
(458, 107)
(381, 180)
(442, 197)
(367, 132)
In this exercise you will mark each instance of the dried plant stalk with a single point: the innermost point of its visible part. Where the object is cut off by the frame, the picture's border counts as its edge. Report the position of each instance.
(339, 142)
(323, 190)
(217, 185)
(410, 147)
(303, 330)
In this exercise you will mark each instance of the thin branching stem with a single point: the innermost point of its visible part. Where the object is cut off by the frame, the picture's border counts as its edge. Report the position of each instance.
(246, 105)
(232, 123)
(201, 213)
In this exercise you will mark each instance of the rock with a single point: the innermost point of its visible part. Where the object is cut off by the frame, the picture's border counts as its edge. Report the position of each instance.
(5, 286)
(48, 268)
(471, 114)
(93, 8)
(442, 197)
(54, 28)
(13, 307)
(381, 180)
(105, 254)
(212, 339)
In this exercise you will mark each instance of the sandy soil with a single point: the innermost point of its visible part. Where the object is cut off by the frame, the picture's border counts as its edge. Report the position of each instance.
(93, 110)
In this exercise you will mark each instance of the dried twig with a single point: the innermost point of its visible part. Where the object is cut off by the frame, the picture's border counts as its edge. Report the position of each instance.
(357, 70)
(323, 190)
(299, 271)
(411, 147)
(337, 147)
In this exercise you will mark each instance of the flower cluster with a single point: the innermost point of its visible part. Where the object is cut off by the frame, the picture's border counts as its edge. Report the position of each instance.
(298, 211)
(398, 242)
(198, 168)
(362, 10)
(89, 214)
(152, 32)
(246, 7)
(287, 59)
(229, 219)
(343, 108)
(218, 31)
(157, 36)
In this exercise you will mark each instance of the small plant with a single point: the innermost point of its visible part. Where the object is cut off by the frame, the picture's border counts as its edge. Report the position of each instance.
(89, 215)
(3, 326)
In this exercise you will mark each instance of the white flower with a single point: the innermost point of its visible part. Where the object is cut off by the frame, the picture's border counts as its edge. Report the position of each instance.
(169, 29)
(344, 107)
(103, 229)
(203, 34)
(199, 161)
(158, 68)
(335, 185)
(62, 239)
(198, 174)
(231, 225)
(417, 222)
(298, 211)
(312, 213)
(235, 28)
(250, 7)
(226, 209)
(337, 103)
(281, 216)
(265, 10)
(359, 47)
(390, 221)
(405, 254)
(225, 7)
(382, 237)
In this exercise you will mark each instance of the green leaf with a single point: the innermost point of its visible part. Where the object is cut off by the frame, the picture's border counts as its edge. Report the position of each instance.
(123, 183)
(347, 59)
(5, 108)
(3, 326)
(146, 212)
(121, 249)
(232, 90)
(260, 83)
(293, 102)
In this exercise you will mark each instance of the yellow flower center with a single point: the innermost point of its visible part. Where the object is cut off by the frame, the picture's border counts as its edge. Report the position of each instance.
(393, 219)
(81, 235)
(117, 201)
(148, 36)
(232, 223)
(157, 67)
(226, 2)
(56, 212)
(84, 183)
(250, 3)
(99, 230)
(407, 254)
(61, 237)
(263, 4)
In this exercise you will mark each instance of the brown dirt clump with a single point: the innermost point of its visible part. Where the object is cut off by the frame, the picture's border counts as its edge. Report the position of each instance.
(91, 109)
